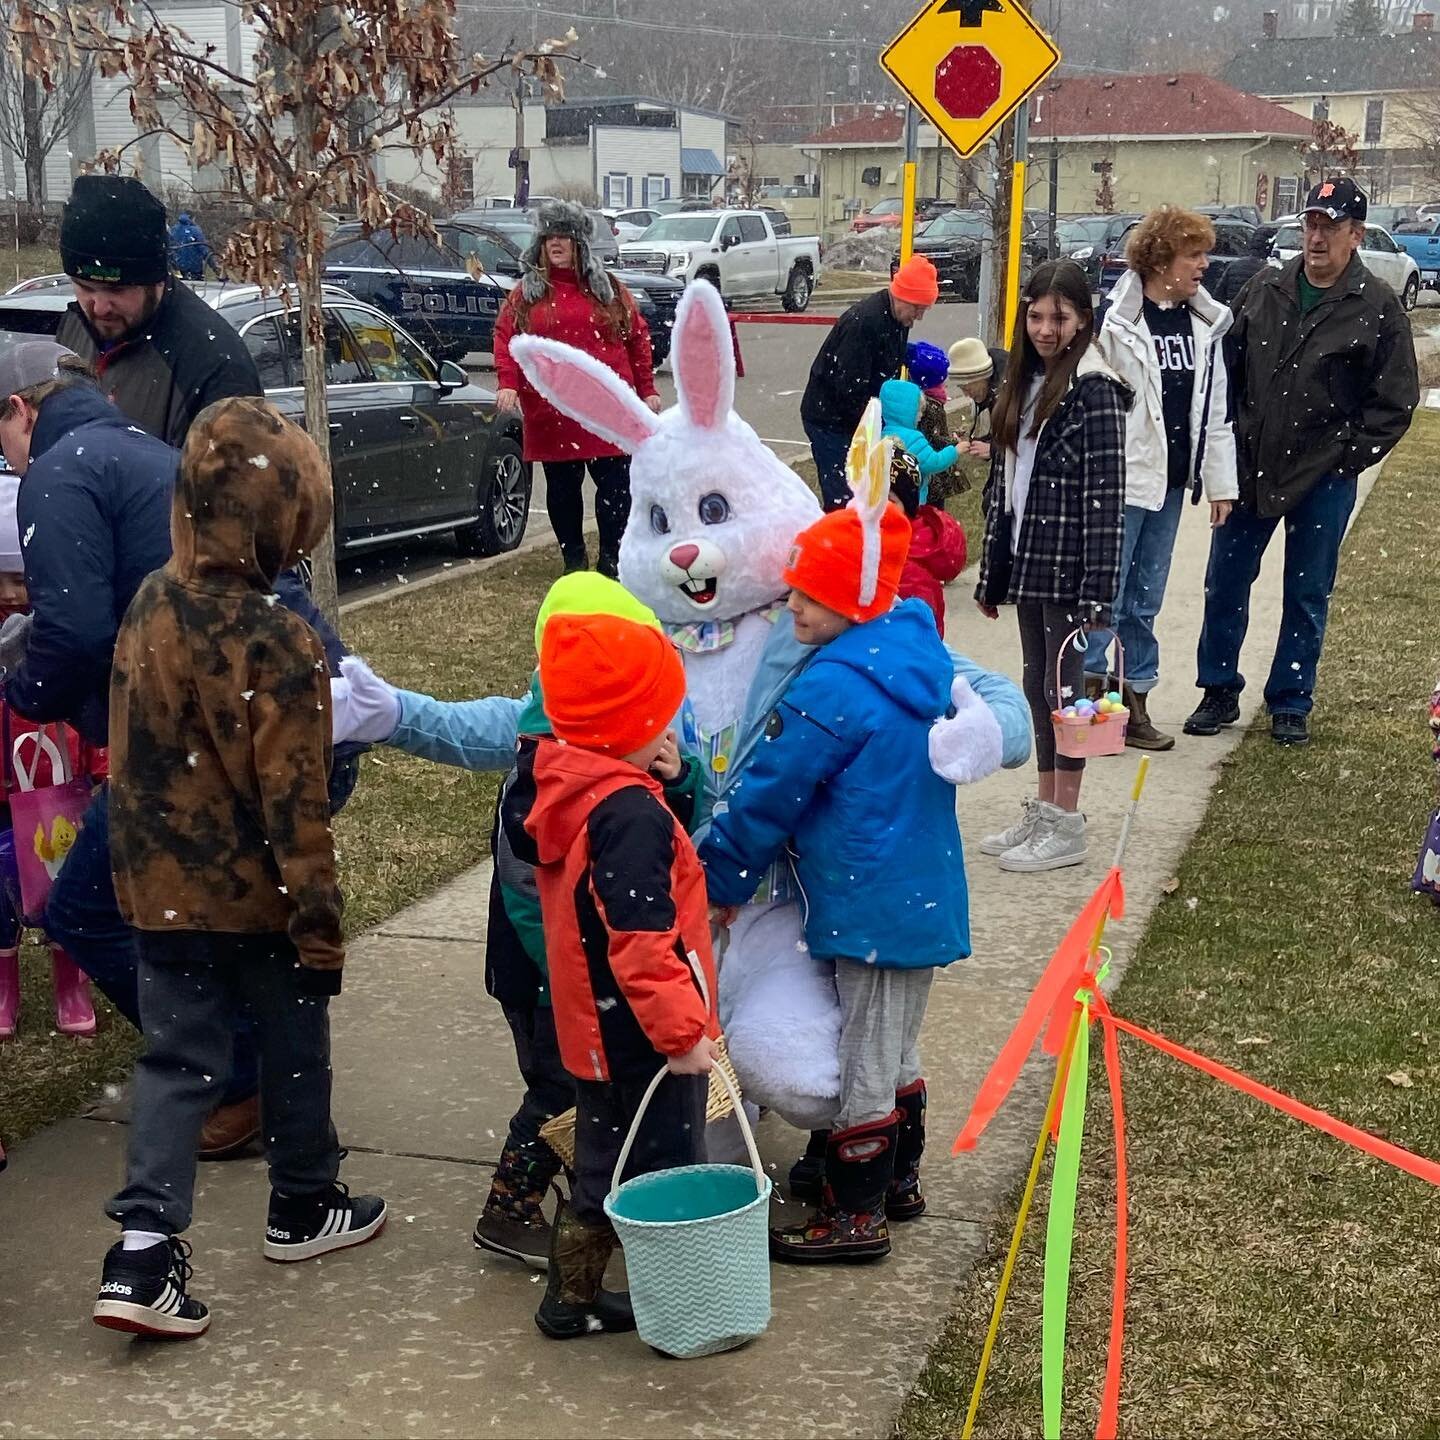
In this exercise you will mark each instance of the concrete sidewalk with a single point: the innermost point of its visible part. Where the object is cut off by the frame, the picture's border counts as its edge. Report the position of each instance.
(418, 1334)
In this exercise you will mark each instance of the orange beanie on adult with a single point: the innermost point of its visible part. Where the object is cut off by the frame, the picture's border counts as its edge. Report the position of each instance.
(825, 563)
(916, 282)
(610, 684)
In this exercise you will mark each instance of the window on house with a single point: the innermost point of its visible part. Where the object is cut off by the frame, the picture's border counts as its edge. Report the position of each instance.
(617, 190)
(1320, 110)
(697, 187)
(654, 187)
(1374, 121)
(1302, 11)
(1323, 10)
(1287, 191)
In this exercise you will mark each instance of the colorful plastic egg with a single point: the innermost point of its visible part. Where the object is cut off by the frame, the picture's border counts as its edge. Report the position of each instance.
(1114, 697)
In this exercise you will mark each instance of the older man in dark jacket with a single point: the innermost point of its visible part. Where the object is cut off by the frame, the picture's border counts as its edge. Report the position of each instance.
(1324, 384)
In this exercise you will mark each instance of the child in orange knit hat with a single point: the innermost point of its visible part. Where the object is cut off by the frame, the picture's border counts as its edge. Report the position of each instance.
(627, 934)
(844, 781)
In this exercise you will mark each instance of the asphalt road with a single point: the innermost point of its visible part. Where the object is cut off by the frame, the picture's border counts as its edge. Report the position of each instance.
(777, 360)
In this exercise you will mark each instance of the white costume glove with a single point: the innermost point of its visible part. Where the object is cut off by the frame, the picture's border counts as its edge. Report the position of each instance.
(366, 708)
(968, 745)
(14, 638)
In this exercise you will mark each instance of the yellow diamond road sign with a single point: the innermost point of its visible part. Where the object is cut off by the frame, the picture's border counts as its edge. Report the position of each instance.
(968, 63)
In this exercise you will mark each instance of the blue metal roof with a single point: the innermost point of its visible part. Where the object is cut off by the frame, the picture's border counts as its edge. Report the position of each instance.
(699, 162)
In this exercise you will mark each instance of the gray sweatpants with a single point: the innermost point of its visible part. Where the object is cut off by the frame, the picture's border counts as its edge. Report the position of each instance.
(194, 988)
(881, 1011)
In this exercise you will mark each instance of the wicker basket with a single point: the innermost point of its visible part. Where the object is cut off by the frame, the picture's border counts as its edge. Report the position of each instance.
(559, 1133)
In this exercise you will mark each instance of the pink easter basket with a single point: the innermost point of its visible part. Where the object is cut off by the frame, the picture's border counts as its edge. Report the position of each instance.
(46, 818)
(1081, 736)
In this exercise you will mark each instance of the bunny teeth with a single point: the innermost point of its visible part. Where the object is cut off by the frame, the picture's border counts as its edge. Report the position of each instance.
(702, 592)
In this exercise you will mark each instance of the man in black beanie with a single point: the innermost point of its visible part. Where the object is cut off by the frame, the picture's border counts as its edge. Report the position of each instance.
(160, 352)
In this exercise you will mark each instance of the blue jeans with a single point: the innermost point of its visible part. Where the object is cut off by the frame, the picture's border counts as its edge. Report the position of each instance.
(830, 447)
(83, 917)
(1144, 570)
(1313, 532)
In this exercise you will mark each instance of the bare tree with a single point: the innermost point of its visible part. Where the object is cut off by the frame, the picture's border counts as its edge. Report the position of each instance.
(333, 86)
(35, 117)
(1330, 149)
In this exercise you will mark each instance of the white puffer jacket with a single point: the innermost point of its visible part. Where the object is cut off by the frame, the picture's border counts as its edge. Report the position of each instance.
(1126, 343)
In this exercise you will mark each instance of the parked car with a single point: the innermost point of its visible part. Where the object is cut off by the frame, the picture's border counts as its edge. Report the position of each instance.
(630, 224)
(1232, 240)
(889, 212)
(518, 226)
(1379, 253)
(433, 288)
(507, 202)
(1390, 217)
(738, 251)
(1083, 241)
(955, 242)
(415, 448)
(1420, 240)
(1250, 214)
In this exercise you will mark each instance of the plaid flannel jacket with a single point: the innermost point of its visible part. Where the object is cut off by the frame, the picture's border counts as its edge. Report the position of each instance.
(1074, 521)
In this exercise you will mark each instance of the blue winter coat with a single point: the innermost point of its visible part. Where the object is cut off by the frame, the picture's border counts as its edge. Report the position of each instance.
(844, 769)
(899, 411)
(190, 252)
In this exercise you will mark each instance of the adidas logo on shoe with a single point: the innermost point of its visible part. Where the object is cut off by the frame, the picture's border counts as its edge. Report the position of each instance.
(302, 1227)
(142, 1292)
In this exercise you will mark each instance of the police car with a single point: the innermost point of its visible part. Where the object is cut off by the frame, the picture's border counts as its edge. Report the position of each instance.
(449, 294)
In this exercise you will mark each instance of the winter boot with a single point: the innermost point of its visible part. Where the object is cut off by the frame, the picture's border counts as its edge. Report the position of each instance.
(512, 1222)
(849, 1225)
(74, 1012)
(1219, 706)
(574, 558)
(9, 993)
(608, 564)
(574, 1304)
(807, 1174)
(903, 1200)
(1140, 734)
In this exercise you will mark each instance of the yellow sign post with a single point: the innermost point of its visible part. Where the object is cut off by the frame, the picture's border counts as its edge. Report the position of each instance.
(968, 65)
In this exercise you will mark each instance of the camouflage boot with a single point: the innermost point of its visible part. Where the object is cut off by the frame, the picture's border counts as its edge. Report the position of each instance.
(512, 1222)
(850, 1224)
(574, 1304)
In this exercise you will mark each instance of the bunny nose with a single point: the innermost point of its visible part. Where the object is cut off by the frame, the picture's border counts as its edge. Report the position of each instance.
(684, 556)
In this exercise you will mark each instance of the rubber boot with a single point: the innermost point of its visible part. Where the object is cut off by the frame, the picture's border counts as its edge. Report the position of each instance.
(1140, 733)
(512, 1222)
(807, 1174)
(9, 993)
(849, 1225)
(903, 1200)
(574, 1304)
(74, 1012)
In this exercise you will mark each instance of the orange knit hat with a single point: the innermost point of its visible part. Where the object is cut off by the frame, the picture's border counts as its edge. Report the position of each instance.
(825, 562)
(610, 684)
(916, 281)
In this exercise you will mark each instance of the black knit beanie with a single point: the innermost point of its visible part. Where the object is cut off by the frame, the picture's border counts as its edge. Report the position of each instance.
(113, 232)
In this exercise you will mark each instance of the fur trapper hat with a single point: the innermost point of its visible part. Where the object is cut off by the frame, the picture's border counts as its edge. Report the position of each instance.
(569, 221)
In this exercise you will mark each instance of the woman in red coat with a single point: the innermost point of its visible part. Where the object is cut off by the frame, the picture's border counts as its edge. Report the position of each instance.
(567, 294)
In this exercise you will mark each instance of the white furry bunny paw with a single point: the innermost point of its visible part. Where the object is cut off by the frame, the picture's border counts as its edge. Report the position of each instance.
(966, 746)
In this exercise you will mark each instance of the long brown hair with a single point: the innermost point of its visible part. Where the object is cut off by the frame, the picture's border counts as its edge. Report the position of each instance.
(618, 314)
(1066, 281)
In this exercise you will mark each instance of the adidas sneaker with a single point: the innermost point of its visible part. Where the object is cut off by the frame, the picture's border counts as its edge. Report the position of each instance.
(301, 1227)
(142, 1292)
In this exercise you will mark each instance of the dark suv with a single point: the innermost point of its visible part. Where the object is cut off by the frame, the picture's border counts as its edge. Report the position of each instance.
(1232, 240)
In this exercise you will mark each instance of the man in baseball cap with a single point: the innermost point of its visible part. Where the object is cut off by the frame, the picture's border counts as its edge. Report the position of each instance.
(1324, 381)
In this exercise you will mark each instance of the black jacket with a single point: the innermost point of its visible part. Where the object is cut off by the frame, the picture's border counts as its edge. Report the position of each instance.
(185, 357)
(864, 350)
(1327, 394)
(1237, 275)
(94, 518)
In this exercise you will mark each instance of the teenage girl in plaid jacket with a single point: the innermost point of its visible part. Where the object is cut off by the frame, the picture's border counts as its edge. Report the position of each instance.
(1054, 521)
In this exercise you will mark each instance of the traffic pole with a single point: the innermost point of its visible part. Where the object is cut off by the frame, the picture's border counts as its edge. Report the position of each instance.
(1017, 218)
(907, 213)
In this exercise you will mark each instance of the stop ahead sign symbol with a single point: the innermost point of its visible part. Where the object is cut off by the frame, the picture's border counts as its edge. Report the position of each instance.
(968, 82)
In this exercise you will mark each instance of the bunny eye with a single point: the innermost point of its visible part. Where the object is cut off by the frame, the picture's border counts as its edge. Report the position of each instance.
(714, 509)
(659, 520)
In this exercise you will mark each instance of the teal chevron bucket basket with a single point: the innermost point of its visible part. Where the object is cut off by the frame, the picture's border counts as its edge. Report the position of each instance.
(697, 1247)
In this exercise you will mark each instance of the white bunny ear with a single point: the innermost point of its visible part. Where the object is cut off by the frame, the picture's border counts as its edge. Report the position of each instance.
(867, 467)
(704, 357)
(586, 390)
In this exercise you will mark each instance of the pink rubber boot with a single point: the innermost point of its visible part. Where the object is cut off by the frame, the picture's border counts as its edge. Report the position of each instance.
(9, 993)
(74, 1013)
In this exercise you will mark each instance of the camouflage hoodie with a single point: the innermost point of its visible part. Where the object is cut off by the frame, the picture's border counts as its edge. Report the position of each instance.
(220, 703)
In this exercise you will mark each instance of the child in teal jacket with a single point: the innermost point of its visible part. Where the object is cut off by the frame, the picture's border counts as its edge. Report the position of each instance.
(900, 402)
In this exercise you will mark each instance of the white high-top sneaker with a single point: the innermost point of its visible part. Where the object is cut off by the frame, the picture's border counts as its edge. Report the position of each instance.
(1057, 840)
(1017, 834)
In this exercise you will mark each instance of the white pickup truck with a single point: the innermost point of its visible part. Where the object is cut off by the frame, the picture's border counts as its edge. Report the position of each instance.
(737, 251)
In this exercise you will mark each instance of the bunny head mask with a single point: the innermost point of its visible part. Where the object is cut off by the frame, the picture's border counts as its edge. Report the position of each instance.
(713, 512)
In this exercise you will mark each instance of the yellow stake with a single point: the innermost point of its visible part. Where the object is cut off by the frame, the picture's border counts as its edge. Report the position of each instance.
(1012, 265)
(907, 214)
(1008, 1272)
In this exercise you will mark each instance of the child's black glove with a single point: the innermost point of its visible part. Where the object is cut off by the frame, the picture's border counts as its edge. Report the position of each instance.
(319, 982)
